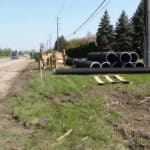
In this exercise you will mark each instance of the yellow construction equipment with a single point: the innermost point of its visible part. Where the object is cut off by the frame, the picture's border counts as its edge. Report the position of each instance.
(53, 60)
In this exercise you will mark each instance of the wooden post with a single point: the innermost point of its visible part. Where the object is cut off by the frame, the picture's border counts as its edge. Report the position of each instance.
(51, 61)
(40, 55)
(64, 56)
(54, 60)
(41, 73)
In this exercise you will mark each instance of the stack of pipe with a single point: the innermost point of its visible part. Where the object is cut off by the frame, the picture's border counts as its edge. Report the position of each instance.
(107, 60)
(127, 60)
(86, 64)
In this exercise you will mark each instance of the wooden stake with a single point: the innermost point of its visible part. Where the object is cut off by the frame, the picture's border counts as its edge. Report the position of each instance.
(64, 56)
(41, 73)
(98, 80)
(109, 79)
(121, 79)
(65, 135)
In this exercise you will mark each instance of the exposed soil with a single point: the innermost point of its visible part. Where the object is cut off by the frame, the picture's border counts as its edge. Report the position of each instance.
(11, 78)
(136, 129)
(59, 98)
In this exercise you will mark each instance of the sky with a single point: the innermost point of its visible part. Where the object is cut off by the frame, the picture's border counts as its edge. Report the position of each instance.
(24, 24)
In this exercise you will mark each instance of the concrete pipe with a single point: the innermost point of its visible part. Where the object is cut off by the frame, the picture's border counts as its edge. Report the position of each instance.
(102, 57)
(139, 65)
(124, 57)
(134, 57)
(117, 65)
(128, 65)
(86, 64)
(105, 65)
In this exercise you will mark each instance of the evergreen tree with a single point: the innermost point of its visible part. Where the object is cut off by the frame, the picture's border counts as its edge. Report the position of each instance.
(105, 35)
(62, 44)
(123, 35)
(137, 22)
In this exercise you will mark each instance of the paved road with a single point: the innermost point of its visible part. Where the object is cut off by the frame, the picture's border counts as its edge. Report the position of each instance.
(3, 60)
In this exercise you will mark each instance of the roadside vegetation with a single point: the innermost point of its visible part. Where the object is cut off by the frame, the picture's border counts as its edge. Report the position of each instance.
(54, 105)
(5, 53)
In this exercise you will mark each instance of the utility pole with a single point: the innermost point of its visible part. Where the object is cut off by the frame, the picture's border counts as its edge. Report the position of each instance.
(57, 33)
(50, 41)
(47, 45)
(147, 34)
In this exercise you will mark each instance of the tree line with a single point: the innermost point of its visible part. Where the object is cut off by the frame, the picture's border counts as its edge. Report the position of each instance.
(5, 52)
(127, 35)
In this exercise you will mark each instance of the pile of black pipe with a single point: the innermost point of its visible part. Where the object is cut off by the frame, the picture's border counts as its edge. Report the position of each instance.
(102, 57)
(69, 61)
(84, 71)
(107, 60)
(86, 64)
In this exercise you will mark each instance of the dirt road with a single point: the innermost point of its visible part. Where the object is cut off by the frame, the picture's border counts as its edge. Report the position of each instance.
(8, 71)
(10, 131)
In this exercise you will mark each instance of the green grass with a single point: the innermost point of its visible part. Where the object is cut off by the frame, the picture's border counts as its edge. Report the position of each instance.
(4, 56)
(55, 104)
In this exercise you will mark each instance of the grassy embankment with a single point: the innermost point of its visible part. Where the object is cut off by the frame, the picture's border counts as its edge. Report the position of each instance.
(55, 104)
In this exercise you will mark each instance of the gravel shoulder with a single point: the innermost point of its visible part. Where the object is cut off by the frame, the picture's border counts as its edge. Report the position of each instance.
(11, 133)
(9, 71)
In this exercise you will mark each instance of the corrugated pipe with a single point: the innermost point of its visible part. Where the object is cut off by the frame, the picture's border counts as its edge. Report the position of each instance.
(87, 71)
(139, 65)
(105, 65)
(117, 65)
(74, 62)
(128, 65)
(69, 61)
(134, 56)
(102, 57)
(124, 57)
(86, 64)
(78, 59)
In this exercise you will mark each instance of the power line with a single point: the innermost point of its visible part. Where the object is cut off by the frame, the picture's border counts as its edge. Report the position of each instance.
(89, 17)
(95, 15)
(70, 35)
